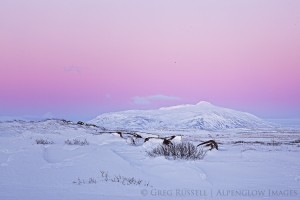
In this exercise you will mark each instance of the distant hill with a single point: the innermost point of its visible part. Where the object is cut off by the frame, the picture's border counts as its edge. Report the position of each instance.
(201, 116)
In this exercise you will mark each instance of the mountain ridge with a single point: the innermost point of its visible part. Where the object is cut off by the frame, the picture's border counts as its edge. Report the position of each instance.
(200, 116)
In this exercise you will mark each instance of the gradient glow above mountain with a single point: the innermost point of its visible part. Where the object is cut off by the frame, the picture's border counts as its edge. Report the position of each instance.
(202, 116)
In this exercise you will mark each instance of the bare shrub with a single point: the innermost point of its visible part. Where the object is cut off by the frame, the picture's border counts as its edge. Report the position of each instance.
(77, 142)
(80, 181)
(43, 141)
(295, 141)
(122, 179)
(106, 177)
(186, 151)
(92, 181)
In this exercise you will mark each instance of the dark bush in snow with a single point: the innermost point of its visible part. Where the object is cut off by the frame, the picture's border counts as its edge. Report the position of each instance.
(187, 151)
(43, 141)
(77, 142)
(122, 179)
(296, 141)
(80, 123)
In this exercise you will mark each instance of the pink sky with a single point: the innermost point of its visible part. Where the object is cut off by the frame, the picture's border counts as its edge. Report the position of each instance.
(77, 59)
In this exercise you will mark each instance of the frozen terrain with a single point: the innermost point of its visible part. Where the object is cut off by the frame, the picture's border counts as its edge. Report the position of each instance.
(57, 159)
(202, 116)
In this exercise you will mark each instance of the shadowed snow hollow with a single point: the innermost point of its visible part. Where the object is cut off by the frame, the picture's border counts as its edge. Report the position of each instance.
(202, 116)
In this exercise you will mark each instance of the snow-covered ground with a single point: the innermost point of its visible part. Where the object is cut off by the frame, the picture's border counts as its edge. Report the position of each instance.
(250, 164)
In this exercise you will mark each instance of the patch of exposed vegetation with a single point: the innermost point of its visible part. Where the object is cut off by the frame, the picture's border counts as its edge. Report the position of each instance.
(186, 151)
(77, 142)
(43, 141)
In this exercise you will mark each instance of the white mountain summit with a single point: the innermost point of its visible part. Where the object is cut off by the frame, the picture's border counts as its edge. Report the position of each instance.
(201, 116)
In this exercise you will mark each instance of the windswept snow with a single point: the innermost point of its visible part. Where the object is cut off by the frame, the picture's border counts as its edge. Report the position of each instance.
(202, 116)
(250, 164)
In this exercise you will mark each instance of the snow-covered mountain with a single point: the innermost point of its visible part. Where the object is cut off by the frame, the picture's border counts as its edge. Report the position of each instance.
(202, 116)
